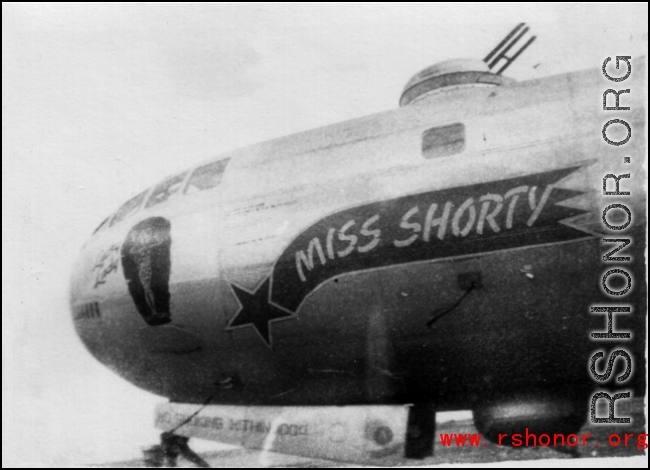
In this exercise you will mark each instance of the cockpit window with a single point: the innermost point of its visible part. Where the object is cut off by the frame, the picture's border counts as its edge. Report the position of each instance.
(206, 176)
(443, 141)
(102, 225)
(129, 207)
(166, 189)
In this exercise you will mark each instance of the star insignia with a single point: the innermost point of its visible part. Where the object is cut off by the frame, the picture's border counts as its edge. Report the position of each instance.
(256, 311)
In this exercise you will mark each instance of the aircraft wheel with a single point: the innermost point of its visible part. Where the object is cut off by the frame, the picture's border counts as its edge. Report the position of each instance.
(532, 414)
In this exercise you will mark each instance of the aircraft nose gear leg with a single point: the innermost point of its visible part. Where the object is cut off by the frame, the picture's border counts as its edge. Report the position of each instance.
(171, 446)
(420, 432)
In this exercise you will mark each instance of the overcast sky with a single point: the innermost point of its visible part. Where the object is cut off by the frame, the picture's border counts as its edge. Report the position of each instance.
(102, 100)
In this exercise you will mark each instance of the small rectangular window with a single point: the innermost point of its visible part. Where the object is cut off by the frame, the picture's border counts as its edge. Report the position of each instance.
(129, 207)
(206, 176)
(166, 189)
(443, 141)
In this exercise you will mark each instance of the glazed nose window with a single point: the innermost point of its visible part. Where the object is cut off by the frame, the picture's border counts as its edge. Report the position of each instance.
(443, 141)
(166, 189)
(129, 207)
(102, 225)
(206, 176)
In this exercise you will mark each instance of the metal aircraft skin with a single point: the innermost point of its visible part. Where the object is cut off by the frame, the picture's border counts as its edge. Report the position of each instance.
(445, 252)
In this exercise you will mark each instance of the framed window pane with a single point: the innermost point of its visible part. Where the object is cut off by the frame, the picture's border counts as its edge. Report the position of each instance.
(102, 225)
(166, 189)
(206, 176)
(129, 207)
(443, 141)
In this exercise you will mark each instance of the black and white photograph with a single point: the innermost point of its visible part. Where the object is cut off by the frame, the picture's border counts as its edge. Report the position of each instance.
(324, 234)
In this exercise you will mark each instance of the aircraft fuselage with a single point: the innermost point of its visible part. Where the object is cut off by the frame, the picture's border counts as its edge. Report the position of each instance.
(446, 251)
